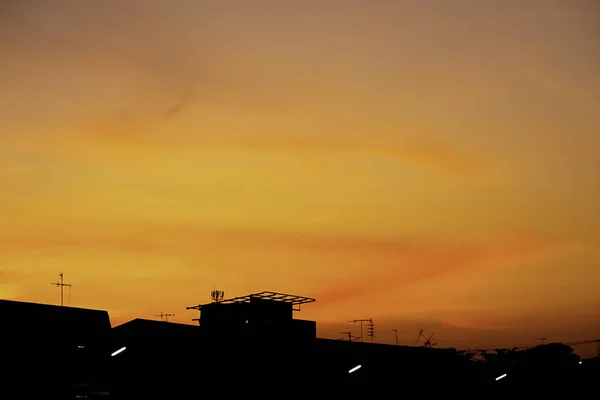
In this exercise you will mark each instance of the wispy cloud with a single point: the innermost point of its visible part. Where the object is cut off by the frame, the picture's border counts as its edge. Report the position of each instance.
(370, 265)
(132, 136)
(446, 259)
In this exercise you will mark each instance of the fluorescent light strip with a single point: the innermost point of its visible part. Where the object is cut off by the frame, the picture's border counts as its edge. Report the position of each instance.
(122, 349)
(355, 369)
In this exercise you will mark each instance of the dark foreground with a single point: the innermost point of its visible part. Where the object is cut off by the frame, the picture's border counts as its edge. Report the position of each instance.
(255, 349)
(181, 370)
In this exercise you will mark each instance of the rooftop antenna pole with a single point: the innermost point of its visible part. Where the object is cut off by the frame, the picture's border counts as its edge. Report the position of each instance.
(165, 315)
(427, 340)
(396, 333)
(349, 334)
(217, 295)
(361, 325)
(543, 339)
(371, 329)
(62, 285)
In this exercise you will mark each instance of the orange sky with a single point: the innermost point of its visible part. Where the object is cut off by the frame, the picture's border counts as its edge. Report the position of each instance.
(430, 164)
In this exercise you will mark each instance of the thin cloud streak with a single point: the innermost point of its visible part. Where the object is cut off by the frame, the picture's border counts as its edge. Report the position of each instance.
(447, 260)
(123, 133)
(399, 263)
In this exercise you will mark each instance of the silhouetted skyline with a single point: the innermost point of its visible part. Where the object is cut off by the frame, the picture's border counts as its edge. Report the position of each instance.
(428, 164)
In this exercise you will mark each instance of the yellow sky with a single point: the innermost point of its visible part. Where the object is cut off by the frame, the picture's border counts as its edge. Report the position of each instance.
(432, 166)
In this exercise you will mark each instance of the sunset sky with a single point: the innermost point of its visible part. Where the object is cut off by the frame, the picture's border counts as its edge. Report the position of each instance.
(431, 164)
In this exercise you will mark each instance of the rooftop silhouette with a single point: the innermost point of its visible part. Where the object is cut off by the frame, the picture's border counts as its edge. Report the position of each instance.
(251, 341)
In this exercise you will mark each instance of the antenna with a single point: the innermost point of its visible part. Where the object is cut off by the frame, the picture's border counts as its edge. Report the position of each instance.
(62, 285)
(427, 340)
(543, 339)
(165, 315)
(217, 295)
(349, 334)
(371, 329)
(396, 333)
(361, 325)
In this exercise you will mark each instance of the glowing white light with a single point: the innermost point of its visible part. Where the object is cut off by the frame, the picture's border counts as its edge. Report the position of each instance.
(580, 362)
(355, 369)
(122, 349)
(501, 376)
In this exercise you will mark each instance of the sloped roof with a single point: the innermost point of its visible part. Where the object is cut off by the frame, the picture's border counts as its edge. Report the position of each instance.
(151, 328)
(23, 318)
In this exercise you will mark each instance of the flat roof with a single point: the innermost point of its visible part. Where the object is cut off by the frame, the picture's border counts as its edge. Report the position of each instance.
(273, 296)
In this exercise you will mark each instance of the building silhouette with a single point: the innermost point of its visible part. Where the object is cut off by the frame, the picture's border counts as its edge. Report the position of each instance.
(60, 351)
(252, 345)
(264, 316)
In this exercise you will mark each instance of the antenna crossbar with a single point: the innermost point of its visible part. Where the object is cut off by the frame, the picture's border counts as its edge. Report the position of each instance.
(62, 286)
(165, 316)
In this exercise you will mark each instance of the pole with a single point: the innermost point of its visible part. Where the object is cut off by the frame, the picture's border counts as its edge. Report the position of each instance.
(361, 325)
(62, 285)
(361, 331)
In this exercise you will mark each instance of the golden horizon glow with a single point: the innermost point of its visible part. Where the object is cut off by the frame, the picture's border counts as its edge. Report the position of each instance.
(427, 165)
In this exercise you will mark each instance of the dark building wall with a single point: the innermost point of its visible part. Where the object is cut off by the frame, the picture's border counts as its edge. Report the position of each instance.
(257, 319)
(219, 319)
(56, 348)
(224, 316)
(282, 331)
(268, 310)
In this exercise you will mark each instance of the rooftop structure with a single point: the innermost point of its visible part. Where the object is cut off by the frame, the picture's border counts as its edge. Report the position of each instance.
(259, 314)
(61, 349)
(265, 295)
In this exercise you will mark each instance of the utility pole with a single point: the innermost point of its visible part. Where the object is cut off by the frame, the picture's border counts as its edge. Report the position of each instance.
(361, 325)
(62, 285)
(396, 333)
(165, 315)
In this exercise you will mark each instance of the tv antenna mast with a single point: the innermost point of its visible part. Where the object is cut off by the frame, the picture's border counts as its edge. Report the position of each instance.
(542, 339)
(349, 334)
(396, 333)
(361, 325)
(165, 316)
(62, 285)
(427, 340)
(217, 295)
(371, 329)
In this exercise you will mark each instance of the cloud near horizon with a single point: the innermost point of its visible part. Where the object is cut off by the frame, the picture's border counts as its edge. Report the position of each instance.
(401, 263)
(437, 260)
